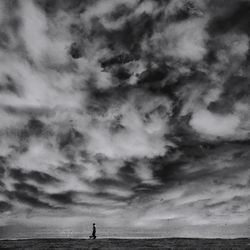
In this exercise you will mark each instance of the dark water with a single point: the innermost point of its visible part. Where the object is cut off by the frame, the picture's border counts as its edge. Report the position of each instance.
(24, 232)
(83, 231)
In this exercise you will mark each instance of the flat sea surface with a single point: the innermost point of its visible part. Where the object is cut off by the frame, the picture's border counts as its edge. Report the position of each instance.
(21, 232)
(83, 232)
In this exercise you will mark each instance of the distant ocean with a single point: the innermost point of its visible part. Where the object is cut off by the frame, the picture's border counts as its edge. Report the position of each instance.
(25, 232)
(20, 232)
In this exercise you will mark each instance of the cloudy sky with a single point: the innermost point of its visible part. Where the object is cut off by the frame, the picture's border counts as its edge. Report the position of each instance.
(126, 112)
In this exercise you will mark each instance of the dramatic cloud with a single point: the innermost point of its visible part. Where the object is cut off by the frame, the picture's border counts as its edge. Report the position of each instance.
(125, 112)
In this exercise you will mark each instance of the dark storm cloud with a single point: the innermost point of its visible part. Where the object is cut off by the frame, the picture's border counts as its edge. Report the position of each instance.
(28, 199)
(168, 171)
(102, 182)
(64, 198)
(26, 187)
(27, 111)
(28, 194)
(182, 171)
(234, 17)
(5, 206)
(71, 137)
(127, 172)
(50, 7)
(39, 177)
(2, 168)
(130, 106)
(35, 127)
(10, 86)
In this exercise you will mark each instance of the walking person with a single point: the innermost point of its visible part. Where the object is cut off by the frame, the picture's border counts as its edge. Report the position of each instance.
(93, 236)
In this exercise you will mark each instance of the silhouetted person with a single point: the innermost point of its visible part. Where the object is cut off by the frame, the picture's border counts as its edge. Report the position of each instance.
(93, 236)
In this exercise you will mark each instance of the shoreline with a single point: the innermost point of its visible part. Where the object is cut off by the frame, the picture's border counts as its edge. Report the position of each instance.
(125, 238)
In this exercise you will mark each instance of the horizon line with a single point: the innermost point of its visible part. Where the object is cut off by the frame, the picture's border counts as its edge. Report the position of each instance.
(125, 238)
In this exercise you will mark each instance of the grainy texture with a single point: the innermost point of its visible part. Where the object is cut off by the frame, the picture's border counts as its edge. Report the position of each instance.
(122, 244)
(131, 114)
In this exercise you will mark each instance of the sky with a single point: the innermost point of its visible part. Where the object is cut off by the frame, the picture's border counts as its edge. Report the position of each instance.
(126, 113)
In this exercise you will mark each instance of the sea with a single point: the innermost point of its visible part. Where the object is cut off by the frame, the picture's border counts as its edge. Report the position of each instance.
(26, 232)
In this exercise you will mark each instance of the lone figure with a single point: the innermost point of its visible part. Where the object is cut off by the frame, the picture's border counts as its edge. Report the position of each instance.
(93, 236)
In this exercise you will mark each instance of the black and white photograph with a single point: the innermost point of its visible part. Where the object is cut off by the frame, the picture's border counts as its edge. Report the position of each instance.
(125, 124)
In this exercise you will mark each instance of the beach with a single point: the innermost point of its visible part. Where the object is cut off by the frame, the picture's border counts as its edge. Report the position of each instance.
(128, 244)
